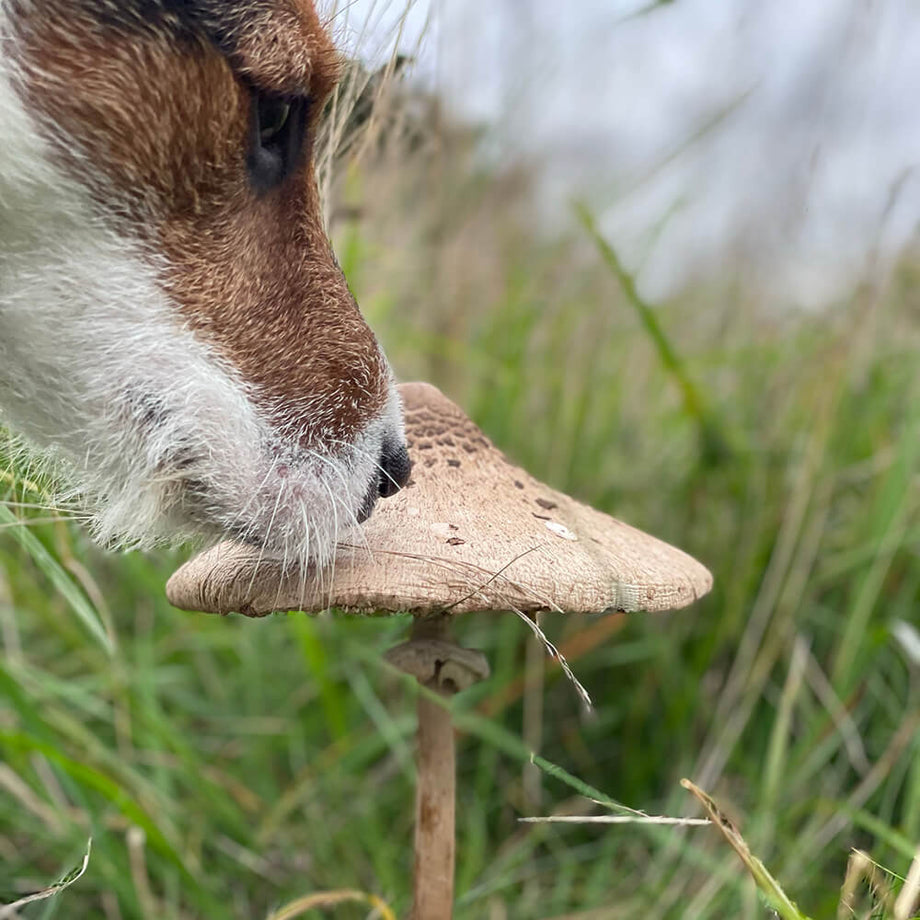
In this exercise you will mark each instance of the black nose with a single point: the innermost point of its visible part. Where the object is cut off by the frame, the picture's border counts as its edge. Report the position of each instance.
(395, 467)
(392, 475)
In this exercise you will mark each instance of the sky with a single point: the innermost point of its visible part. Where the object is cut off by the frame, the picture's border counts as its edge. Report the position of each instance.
(786, 132)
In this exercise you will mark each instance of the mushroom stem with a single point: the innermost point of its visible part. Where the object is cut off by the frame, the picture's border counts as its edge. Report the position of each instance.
(446, 668)
(434, 814)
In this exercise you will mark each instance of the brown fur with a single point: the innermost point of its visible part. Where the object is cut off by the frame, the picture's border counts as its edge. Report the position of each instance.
(159, 113)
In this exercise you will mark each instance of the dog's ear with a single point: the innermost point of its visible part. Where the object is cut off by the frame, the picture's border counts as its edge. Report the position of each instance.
(280, 45)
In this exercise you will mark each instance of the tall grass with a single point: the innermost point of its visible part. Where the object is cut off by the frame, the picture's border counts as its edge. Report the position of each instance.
(225, 767)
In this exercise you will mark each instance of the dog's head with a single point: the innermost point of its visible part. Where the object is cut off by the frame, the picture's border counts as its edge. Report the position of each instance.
(172, 317)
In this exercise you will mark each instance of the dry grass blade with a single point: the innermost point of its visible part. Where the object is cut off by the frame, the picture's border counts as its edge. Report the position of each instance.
(558, 657)
(582, 642)
(617, 819)
(9, 910)
(862, 868)
(908, 902)
(768, 885)
(332, 899)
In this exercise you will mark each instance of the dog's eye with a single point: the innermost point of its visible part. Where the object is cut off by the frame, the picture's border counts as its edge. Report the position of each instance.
(276, 138)
(273, 116)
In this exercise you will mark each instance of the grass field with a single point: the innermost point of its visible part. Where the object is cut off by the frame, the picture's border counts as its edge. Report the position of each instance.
(224, 767)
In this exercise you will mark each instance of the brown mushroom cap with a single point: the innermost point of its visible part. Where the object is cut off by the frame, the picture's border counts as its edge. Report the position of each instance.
(470, 531)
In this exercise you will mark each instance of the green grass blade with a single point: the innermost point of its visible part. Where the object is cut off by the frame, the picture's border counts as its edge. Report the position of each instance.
(56, 574)
(887, 523)
(715, 448)
(766, 884)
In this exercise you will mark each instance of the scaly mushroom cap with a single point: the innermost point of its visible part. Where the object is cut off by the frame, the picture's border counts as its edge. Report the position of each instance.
(470, 531)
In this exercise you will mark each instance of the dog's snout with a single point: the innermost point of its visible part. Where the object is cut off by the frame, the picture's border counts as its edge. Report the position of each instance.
(395, 467)
(393, 471)
(367, 506)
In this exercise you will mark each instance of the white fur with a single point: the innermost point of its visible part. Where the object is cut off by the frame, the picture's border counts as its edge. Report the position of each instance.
(95, 367)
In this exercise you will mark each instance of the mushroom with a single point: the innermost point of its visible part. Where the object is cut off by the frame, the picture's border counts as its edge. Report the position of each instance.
(469, 532)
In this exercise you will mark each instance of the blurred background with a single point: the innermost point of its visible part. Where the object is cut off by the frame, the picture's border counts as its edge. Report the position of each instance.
(666, 255)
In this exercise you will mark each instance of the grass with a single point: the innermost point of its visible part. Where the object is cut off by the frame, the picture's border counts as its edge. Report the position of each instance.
(225, 768)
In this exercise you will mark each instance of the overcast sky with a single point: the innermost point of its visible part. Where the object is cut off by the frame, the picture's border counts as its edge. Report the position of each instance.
(796, 124)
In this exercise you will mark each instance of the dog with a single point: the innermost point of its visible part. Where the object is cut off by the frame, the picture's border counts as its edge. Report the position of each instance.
(173, 321)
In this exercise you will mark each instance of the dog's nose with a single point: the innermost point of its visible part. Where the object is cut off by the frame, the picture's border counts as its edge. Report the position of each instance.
(395, 467)
(392, 475)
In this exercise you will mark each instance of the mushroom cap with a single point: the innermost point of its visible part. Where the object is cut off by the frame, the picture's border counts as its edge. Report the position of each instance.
(470, 531)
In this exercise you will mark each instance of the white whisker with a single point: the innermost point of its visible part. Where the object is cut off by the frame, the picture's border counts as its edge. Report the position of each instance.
(268, 531)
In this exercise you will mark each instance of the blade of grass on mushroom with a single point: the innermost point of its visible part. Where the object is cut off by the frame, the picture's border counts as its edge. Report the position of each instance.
(556, 655)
